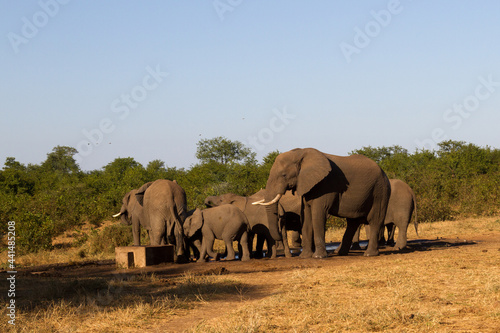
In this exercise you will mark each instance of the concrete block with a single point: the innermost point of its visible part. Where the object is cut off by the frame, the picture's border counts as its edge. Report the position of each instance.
(144, 255)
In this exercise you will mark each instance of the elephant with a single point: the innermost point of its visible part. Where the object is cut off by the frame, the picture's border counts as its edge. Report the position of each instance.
(225, 222)
(257, 218)
(164, 210)
(131, 213)
(402, 204)
(353, 187)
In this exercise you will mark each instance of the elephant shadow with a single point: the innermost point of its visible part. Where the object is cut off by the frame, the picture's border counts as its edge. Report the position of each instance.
(417, 245)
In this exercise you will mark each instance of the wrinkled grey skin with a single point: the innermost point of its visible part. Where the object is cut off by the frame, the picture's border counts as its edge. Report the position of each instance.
(131, 214)
(402, 204)
(224, 222)
(289, 208)
(164, 210)
(257, 218)
(353, 187)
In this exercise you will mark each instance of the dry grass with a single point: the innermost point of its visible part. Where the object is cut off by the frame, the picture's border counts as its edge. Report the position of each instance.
(124, 303)
(428, 292)
(443, 289)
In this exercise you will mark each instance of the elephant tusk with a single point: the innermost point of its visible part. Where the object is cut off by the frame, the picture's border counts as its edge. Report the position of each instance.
(117, 215)
(258, 202)
(275, 200)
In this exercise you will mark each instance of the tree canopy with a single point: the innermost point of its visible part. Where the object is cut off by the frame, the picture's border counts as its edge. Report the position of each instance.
(222, 150)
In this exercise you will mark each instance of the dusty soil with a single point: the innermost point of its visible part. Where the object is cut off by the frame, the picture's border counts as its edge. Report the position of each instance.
(261, 276)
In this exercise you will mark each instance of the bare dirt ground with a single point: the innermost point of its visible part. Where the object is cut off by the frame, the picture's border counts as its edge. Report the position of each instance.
(261, 279)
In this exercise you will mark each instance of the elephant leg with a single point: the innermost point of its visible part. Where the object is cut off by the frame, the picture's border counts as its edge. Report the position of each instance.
(208, 243)
(259, 253)
(352, 227)
(391, 228)
(250, 242)
(157, 236)
(244, 253)
(307, 233)
(136, 233)
(402, 238)
(196, 246)
(231, 255)
(203, 252)
(355, 240)
(296, 241)
(318, 223)
(179, 239)
(271, 248)
(286, 247)
(381, 236)
(372, 248)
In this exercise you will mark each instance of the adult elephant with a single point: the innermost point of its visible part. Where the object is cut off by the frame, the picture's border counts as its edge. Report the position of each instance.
(258, 221)
(164, 210)
(402, 204)
(353, 187)
(131, 213)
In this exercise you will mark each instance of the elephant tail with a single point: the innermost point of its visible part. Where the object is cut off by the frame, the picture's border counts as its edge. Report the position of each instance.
(415, 222)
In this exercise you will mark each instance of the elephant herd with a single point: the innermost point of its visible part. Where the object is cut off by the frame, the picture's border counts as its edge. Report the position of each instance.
(304, 187)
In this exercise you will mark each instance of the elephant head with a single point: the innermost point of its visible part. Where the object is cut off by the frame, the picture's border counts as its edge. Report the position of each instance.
(127, 209)
(298, 170)
(226, 199)
(193, 223)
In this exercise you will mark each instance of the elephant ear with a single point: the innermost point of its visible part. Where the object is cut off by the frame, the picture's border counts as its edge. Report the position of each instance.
(139, 195)
(237, 201)
(314, 167)
(196, 222)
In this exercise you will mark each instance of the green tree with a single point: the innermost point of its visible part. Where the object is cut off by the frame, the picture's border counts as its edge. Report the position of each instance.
(380, 153)
(61, 160)
(223, 151)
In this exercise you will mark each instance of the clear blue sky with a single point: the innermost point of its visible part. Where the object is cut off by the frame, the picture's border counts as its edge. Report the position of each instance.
(149, 79)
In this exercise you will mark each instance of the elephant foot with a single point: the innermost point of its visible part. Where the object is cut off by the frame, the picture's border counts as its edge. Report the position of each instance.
(288, 254)
(245, 258)
(182, 259)
(371, 253)
(320, 254)
(305, 255)
(258, 255)
(342, 252)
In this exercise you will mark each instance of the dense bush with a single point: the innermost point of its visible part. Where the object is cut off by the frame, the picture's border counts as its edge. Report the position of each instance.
(34, 232)
(458, 179)
(110, 237)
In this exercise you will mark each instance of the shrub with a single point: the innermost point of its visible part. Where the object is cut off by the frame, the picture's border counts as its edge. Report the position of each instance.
(110, 237)
(34, 232)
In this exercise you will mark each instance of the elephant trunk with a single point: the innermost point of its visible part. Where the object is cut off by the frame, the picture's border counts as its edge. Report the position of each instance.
(272, 215)
(272, 218)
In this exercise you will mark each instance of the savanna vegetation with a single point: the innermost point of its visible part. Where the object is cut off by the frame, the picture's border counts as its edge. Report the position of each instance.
(457, 180)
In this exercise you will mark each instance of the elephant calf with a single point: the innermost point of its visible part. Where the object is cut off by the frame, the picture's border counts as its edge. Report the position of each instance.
(402, 204)
(224, 222)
